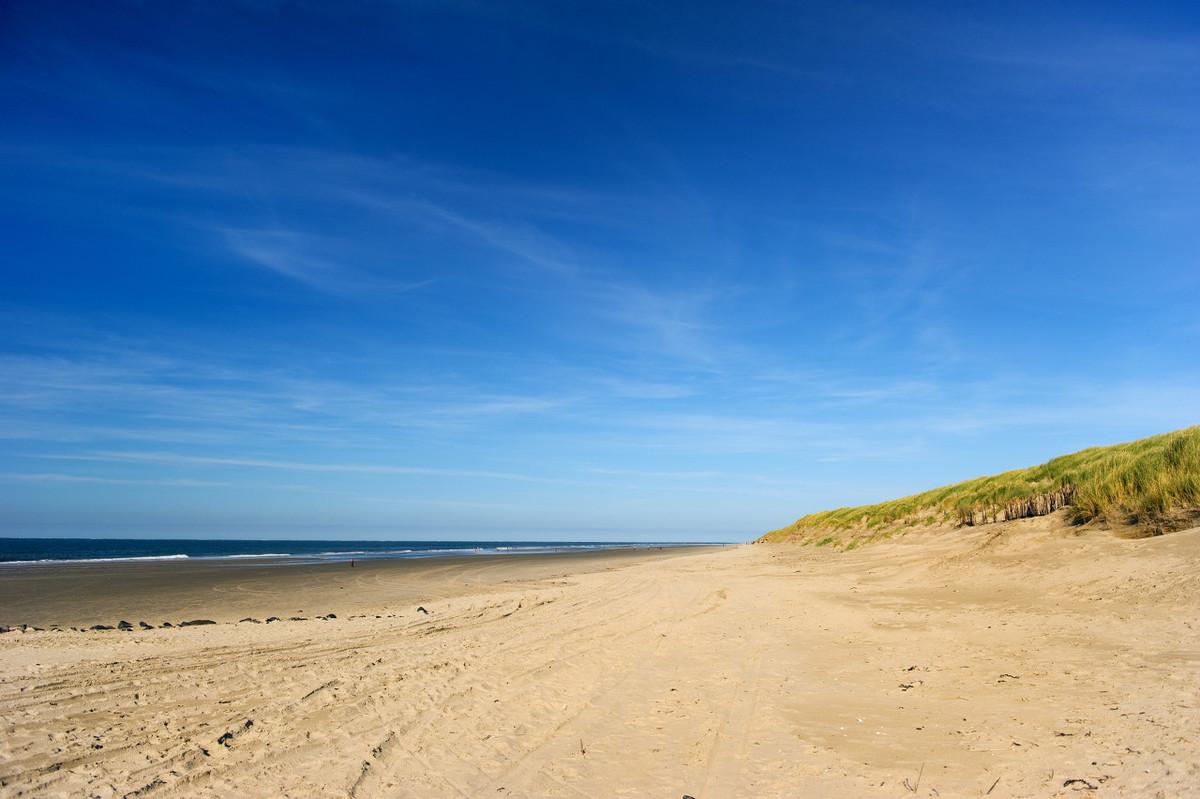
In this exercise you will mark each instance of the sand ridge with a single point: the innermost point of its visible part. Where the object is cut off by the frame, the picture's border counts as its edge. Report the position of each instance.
(1016, 660)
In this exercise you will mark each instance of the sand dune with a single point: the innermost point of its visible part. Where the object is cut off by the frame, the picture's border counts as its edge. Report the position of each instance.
(1019, 659)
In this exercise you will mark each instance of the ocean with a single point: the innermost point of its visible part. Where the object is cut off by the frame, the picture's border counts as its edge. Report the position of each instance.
(32, 551)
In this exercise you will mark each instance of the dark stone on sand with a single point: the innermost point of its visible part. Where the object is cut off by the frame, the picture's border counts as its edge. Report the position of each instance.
(328, 616)
(297, 618)
(4, 629)
(100, 627)
(272, 618)
(250, 620)
(145, 626)
(124, 625)
(153, 785)
(196, 622)
(231, 734)
(167, 624)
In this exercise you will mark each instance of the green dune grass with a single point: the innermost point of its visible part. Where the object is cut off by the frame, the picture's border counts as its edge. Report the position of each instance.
(1152, 484)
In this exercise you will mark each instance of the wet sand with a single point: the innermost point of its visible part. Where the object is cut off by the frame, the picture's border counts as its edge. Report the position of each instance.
(1020, 659)
(84, 594)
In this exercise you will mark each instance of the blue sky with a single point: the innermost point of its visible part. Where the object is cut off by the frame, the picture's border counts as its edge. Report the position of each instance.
(620, 271)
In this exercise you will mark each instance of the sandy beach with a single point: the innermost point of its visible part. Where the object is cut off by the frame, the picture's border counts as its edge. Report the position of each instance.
(1018, 659)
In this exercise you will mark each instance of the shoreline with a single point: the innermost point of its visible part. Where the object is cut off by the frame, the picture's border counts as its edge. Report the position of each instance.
(84, 593)
(34, 552)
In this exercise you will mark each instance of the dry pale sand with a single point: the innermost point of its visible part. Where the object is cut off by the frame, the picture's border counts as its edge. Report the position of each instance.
(1012, 660)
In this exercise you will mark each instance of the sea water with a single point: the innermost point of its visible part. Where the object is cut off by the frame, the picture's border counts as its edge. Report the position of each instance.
(32, 551)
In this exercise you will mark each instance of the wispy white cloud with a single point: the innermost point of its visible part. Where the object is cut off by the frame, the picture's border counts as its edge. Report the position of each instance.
(1091, 53)
(670, 321)
(523, 241)
(297, 256)
(191, 396)
(285, 210)
(629, 388)
(179, 459)
(56, 477)
(662, 475)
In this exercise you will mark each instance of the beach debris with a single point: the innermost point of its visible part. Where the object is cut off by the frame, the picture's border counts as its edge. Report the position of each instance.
(421, 609)
(250, 620)
(4, 629)
(994, 784)
(231, 734)
(330, 615)
(912, 788)
(196, 622)
(318, 689)
(1081, 783)
(688, 796)
(297, 618)
(100, 627)
(147, 788)
(1007, 677)
(376, 751)
(145, 626)
(124, 625)
(272, 618)
(166, 624)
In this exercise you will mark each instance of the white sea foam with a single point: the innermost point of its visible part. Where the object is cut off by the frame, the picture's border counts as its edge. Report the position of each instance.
(342, 553)
(91, 560)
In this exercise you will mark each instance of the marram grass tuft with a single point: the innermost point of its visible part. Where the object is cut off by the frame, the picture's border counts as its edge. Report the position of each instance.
(1152, 483)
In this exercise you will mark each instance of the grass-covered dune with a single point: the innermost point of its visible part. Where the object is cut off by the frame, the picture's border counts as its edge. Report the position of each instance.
(1152, 484)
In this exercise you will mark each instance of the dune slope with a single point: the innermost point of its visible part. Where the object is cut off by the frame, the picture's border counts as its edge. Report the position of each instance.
(1151, 486)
